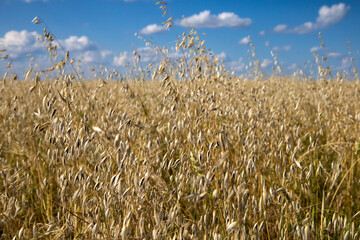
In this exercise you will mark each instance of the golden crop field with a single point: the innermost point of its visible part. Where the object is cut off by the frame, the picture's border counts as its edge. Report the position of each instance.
(221, 159)
(193, 153)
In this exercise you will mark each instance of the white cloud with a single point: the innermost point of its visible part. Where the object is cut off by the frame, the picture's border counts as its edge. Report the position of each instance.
(282, 48)
(91, 56)
(121, 60)
(30, 1)
(293, 67)
(174, 54)
(147, 55)
(222, 55)
(326, 16)
(325, 51)
(315, 49)
(74, 43)
(105, 53)
(262, 33)
(345, 64)
(244, 41)
(88, 56)
(304, 28)
(20, 43)
(84, 49)
(237, 65)
(266, 63)
(334, 54)
(153, 29)
(280, 28)
(331, 15)
(206, 20)
(267, 44)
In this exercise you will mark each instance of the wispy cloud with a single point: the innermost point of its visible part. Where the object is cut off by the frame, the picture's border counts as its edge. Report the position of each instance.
(265, 63)
(147, 55)
(121, 60)
(84, 49)
(222, 56)
(244, 41)
(315, 49)
(19, 43)
(345, 64)
(326, 16)
(282, 48)
(293, 67)
(206, 20)
(280, 28)
(75, 43)
(30, 1)
(237, 65)
(105, 53)
(153, 29)
(334, 54)
(326, 52)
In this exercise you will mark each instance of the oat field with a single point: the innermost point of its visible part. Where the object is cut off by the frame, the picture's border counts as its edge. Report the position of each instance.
(211, 159)
(178, 150)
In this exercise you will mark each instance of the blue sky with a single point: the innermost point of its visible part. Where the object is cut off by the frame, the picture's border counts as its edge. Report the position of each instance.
(102, 31)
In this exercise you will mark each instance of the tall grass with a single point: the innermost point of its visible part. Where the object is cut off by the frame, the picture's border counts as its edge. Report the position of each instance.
(194, 153)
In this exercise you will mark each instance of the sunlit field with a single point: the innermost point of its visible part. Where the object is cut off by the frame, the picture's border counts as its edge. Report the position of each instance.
(180, 149)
